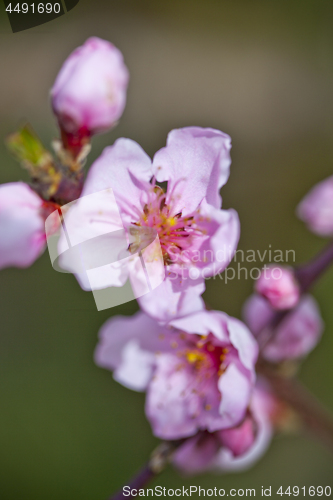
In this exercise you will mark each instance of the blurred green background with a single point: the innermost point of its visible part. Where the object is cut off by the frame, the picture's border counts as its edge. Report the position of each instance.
(260, 70)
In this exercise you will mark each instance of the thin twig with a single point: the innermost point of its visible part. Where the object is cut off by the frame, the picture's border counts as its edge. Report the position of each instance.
(137, 482)
(308, 273)
(312, 413)
(158, 461)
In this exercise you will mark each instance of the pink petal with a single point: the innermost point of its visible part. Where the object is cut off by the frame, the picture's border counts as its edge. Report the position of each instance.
(176, 403)
(257, 313)
(196, 163)
(298, 333)
(203, 323)
(224, 229)
(214, 249)
(278, 285)
(22, 234)
(316, 208)
(239, 439)
(196, 454)
(243, 340)
(89, 217)
(127, 345)
(125, 168)
(261, 407)
(136, 367)
(235, 387)
(173, 298)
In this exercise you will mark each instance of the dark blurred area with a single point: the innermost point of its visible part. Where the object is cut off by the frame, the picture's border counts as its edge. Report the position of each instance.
(260, 70)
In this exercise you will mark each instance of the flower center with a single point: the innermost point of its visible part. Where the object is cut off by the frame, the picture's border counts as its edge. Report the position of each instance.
(205, 357)
(175, 232)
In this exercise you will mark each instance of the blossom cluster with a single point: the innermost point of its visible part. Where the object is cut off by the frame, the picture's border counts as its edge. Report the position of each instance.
(197, 366)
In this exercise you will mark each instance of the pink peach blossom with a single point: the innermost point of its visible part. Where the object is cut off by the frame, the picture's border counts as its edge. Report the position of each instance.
(198, 371)
(278, 285)
(296, 335)
(193, 230)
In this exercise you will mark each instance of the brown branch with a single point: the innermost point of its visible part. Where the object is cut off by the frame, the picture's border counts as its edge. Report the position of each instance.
(137, 482)
(158, 461)
(312, 413)
(308, 273)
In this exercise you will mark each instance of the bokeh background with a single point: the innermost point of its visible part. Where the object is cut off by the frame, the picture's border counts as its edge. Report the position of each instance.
(260, 70)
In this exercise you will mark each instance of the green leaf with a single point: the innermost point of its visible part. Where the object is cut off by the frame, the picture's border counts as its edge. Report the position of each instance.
(27, 148)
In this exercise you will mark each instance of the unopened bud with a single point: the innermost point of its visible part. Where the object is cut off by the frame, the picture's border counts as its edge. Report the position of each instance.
(239, 439)
(316, 208)
(89, 94)
(278, 285)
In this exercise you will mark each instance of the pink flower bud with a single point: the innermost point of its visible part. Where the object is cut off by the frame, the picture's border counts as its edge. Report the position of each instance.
(316, 208)
(278, 285)
(89, 93)
(22, 235)
(233, 449)
(294, 337)
(239, 439)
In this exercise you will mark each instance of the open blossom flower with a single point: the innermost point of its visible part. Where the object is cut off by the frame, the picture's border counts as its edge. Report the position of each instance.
(197, 238)
(89, 94)
(198, 371)
(296, 335)
(233, 449)
(316, 208)
(278, 285)
(22, 216)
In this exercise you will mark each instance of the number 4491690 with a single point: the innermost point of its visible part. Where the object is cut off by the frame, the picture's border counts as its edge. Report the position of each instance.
(312, 491)
(40, 8)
